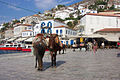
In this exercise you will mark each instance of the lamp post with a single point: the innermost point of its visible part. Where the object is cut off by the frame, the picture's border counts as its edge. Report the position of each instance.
(33, 24)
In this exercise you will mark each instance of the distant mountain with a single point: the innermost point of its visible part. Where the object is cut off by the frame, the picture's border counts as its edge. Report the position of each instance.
(86, 3)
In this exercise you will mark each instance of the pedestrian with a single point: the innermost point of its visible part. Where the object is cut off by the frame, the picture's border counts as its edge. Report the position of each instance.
(103, 45)
(90, 46)
(118, 44)
(74, 46)
(95, 46)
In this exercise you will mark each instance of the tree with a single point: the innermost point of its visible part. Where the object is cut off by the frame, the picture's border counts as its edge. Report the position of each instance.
(94, 7)
(112, 7)
(59, 19)
(71, 15)
(75, 22)
(16, 21)
(70, 24)
(60, 6)
(79, 17)
(2, 29)
(39, 12)
(100, 2)
(22, 20)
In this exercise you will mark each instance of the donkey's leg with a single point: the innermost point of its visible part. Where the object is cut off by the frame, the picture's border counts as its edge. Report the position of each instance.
(54, 55)
(59, 51)
(51, 58)
(63, 50)
(40, 63)
(36, 62)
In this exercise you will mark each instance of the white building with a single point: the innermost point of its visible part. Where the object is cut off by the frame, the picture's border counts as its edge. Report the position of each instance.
(110, 34)
(19, 29)
(95, 22)
(51, 26)
(30, 19)
(9, 33)
(117, 6)
(1, 26)
(84, 11)
(62, 14)
(27, 33)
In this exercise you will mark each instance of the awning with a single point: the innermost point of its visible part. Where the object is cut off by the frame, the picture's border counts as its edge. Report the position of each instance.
(112, 39)
(29, 39)
(20, 39)
(95, 36)
(11, 39)
(89, 36)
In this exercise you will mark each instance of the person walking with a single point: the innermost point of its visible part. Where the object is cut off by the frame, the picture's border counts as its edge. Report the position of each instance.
(103, 45)
(118, 44)
(94, 46)
(74, 46)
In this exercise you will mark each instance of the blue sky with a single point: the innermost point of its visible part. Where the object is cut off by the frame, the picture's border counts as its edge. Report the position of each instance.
(8, 12)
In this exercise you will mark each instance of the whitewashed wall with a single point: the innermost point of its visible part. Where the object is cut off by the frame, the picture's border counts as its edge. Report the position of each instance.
(94, 23)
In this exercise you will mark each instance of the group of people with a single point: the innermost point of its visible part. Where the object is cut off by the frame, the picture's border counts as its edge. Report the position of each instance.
(89, 46)
(94, 45)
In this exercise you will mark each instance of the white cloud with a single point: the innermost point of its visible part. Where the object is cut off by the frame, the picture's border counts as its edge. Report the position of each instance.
(5, 19)
(48, 4)
(45, 4)
(13, 6)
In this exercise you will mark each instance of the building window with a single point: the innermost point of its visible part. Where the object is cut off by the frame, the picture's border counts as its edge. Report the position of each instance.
(66, 32)
(92, 30)
(61, 31)
(42, 31)
(36, 26)
(49, 24)
(49, 31)
(42, 24)
(30, 34)
(56, 31)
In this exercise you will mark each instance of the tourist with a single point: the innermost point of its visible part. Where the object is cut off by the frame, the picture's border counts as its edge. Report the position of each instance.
(118, 44)
(90, 46)
(103, 45)
(74, 46)
(95, 46)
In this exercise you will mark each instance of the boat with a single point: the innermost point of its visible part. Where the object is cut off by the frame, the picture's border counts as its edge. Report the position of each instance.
(15, 47)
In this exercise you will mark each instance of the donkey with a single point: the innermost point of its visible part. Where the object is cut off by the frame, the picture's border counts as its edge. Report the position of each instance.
(53, 48)
(39, 50)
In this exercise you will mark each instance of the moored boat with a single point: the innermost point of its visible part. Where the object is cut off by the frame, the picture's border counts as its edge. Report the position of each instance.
(15, 47)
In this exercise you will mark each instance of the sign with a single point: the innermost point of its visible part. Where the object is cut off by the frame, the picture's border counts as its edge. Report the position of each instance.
(81, 39)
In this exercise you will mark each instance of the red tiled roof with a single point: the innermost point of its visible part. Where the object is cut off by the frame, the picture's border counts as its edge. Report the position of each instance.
(102, 14)
(59, 26)
(109, 30)
(35, 15)
(26, 24)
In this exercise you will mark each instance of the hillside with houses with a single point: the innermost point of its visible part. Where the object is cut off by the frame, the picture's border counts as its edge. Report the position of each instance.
(88, 18)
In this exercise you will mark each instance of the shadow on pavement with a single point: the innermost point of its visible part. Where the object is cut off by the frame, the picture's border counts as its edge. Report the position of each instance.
(118, 55)
(48, 64)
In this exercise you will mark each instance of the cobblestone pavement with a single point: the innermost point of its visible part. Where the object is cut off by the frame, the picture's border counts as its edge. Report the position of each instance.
(78, 65)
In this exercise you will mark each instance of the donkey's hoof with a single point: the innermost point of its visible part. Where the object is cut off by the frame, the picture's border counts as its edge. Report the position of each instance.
(35, 66)
(39, 69)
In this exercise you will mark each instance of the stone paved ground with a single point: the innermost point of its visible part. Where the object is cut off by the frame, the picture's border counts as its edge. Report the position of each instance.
(78, 65)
